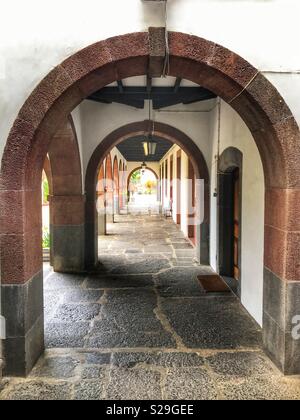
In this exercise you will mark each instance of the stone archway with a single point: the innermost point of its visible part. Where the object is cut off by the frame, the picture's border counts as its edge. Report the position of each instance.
(63, 168)
(136, 169)
(212, 66)
(149, 169)
(166, 132)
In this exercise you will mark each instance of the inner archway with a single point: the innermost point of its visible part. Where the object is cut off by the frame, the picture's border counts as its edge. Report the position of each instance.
(170, 134)
(142, 191)
(210, 65)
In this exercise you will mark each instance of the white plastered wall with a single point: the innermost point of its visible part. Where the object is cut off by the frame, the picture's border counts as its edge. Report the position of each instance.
(229, 130)
(226, 129)
(30, 48)
(99, 120)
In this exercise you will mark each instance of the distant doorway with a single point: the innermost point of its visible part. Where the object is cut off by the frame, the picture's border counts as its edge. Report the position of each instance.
(230, 215)
(142, 191)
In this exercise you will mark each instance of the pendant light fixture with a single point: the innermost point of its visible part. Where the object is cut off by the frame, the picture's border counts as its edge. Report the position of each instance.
(150, 144)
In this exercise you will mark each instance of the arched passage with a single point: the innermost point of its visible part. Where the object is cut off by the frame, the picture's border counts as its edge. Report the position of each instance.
(210, 65)
(47, 191)
(136, 169)
(152, 171)
(163, 131)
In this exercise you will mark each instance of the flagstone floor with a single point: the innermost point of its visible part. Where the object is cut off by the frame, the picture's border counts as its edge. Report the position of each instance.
(142, 328)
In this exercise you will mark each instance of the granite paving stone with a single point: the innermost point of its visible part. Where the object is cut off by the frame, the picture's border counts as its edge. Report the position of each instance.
(91, 390)
(190, 384)
(39, 391)
(130, 384)
(141, 327)
(119, 282)
(216, 323)
(56, 367)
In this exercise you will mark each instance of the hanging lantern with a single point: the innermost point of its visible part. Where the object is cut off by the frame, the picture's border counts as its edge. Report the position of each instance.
(150, 147)
(149, 144)
(146, 148)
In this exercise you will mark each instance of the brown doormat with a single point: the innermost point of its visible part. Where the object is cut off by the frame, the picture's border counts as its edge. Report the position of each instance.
(213, 284)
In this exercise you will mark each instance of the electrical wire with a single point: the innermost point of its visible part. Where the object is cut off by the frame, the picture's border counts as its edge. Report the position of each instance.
(166, 69)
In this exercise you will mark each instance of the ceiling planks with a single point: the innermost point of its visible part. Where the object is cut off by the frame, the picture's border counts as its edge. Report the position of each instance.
(162, 97)
(133, 151)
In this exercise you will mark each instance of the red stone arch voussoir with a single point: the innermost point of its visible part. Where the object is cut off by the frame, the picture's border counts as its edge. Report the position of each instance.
(232, 78)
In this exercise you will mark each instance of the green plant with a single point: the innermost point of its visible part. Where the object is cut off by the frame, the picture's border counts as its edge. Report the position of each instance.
(136, 177)
(46, 238)
(45, 191)
(150, 185)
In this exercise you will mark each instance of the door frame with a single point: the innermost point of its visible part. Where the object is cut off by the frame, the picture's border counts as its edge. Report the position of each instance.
(178, 187)
(230, 160)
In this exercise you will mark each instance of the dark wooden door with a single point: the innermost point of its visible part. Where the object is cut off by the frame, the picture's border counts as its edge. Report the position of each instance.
(178, 174)
(192, 202)
(236, 224)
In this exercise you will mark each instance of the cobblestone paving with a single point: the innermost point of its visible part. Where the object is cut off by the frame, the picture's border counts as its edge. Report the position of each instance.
(142, 328)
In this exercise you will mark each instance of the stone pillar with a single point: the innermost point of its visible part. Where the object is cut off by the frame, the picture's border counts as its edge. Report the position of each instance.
(67, 228)
(116, 202)
(22, 279)
(282, 278)
(91, 235)
(109, 206)
(101, 212)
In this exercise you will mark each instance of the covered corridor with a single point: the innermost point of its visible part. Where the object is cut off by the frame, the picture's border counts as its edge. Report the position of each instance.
(197, 264)
(143, 328)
